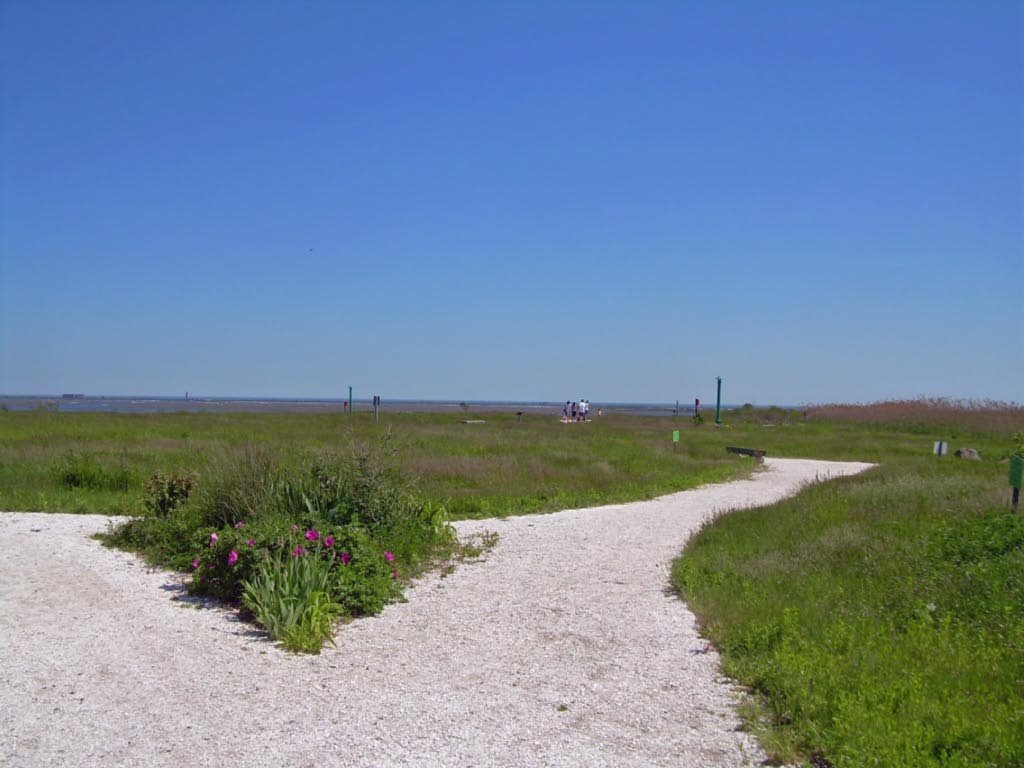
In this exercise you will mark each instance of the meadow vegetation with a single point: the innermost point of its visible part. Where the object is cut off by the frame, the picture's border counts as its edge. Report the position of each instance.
(99, 462)
(878, 620)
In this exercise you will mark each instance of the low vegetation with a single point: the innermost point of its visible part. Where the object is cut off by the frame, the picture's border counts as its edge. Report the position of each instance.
(299, 548)
(879, 619)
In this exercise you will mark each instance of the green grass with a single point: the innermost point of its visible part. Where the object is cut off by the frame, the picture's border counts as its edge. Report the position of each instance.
(879, 619)
(503, 466)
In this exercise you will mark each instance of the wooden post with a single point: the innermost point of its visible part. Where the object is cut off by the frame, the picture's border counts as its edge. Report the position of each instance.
(1016, 478)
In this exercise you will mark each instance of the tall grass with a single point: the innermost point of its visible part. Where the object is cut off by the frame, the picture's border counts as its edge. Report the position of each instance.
(926, 414)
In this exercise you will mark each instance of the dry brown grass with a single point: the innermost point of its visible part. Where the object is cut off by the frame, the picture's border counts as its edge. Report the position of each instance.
(980, 415)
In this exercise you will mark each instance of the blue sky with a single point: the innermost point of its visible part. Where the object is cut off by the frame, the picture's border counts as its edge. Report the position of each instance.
(819, 202)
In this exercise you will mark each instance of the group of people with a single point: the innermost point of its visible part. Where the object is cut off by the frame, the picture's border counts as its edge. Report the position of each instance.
(576, 411)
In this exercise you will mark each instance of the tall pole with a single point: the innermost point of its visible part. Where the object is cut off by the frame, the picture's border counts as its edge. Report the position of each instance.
(718, 404)
(350, 399)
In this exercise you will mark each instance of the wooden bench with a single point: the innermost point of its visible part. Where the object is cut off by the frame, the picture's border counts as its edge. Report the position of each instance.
(757, 453)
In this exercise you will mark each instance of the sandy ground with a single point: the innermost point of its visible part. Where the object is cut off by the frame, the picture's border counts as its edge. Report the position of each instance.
(564, 647)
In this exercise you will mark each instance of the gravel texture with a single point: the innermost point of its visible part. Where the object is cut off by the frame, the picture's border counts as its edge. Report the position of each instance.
(563, 646)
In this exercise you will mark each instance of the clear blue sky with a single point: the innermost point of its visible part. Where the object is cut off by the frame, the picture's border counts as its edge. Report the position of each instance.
(818, 201)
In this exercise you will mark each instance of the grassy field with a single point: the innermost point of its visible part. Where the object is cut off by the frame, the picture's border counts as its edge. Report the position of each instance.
(879, 620)
(85, 462)
(98, 462)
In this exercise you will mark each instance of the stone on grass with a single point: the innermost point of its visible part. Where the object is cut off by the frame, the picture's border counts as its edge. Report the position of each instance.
(968, 453)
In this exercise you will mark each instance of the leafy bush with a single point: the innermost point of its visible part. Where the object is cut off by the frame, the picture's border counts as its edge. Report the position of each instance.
(298, 547)
(366, 577)
(165, 493)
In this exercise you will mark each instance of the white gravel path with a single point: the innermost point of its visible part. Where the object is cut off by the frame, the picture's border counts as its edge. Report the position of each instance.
(563, 647)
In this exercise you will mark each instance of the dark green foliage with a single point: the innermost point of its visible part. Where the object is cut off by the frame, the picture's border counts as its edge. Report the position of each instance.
(367, 582)
(165, 493)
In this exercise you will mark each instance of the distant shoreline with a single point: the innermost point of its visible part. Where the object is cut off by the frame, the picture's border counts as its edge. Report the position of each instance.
(126, 404)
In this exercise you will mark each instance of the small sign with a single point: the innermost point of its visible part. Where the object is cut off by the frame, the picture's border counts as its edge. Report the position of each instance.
(675, 435)
(1016, 471)
(941, 447)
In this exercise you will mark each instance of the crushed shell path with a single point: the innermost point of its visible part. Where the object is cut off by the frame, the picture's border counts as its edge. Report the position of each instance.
(564, 646)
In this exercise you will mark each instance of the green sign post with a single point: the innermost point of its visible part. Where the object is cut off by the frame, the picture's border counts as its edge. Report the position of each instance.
(675, 438)
(1016, 477)
(718, 403)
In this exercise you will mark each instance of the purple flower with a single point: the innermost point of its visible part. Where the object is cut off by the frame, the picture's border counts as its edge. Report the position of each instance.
(312, 535)
(195, 563)
(346, 558)
(251, 543)
(389, 556)
(298, 552)
(232, 557)
(239, 524)
(329, 541)
(213, 539)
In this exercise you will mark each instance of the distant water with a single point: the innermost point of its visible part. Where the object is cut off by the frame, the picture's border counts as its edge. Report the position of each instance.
(123, 404)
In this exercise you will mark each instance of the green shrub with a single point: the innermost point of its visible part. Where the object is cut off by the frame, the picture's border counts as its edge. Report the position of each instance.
(366, 575)
(222, 560)
(165, 493)
(298, 546)
(162, 541)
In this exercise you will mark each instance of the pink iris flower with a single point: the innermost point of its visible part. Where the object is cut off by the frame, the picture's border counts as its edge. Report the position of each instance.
(213, 539)
(195, 563)
(232, 557)
(389, 556)
(312, 535)
(346, 558)
(298, 552)
(329, 541)
(239, 524)
(251, 542)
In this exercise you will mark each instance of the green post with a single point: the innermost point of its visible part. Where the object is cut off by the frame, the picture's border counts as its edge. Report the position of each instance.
(718, 403)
